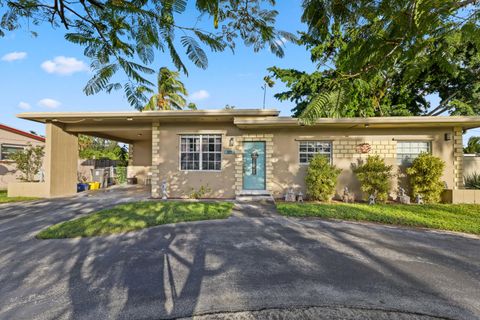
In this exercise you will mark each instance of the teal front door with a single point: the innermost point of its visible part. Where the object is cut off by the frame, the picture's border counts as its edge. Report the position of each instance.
(254, 165)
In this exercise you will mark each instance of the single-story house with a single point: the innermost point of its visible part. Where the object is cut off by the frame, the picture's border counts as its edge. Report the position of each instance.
(245, 151)
(11, 141)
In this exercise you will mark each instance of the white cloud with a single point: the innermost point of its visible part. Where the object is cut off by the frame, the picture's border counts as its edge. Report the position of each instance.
(200, 95)
(24, 105)
(13, 56)
(64, 65)
(49, 103)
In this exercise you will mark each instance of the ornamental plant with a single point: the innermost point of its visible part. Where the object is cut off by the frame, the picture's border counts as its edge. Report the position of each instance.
(375, 177)
(472, 181)
(29, 161)
(321, 178)
(424, 177)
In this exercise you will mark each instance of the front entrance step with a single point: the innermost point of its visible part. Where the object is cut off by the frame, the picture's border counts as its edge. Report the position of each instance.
(250, 198)
(254, 195)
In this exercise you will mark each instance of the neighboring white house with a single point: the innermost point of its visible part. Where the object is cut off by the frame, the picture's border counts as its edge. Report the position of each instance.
(12, 140)
(471, 164)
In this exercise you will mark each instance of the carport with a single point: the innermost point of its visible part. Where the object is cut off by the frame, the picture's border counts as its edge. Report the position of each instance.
(61, 150)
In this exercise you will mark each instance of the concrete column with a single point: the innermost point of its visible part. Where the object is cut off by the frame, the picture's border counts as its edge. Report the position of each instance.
(458, 157)
(61, 161)
(156, 179)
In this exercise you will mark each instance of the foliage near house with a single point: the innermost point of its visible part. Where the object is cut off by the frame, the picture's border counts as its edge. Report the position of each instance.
(375, 177)
(170, 94)
(135, 216)
(472, 181)
(425, 177)
(99, 148)
(453, 217)
(321, 178)
(473, 145)
(384, 58)
(29, 162)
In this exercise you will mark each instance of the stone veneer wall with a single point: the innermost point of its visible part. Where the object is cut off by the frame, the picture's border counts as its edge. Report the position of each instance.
(268, 138)
(348, 148)
(458, 157)
(156, 183)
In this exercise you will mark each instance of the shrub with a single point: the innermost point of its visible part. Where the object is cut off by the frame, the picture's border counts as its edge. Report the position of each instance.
(374, 176)
(321, 178)
(472, 181)
(121, 175)
(200, 193)
(424, 176)
(29, 161)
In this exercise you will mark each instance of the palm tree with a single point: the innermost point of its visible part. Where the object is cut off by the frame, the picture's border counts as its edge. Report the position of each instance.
(171, 92)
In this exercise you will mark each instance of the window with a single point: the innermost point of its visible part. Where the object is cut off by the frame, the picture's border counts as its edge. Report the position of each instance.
(409, 150)
(8, 149)
(308, 149)
(201, 152)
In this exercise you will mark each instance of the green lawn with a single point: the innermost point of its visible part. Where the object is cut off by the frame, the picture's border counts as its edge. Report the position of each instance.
(135, 216)
(5, 199)
(463, 218)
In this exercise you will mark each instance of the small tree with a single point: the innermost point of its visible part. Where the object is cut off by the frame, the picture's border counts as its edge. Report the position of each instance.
(29, 161)
(321, 178)
(374, 176)
(424, 176)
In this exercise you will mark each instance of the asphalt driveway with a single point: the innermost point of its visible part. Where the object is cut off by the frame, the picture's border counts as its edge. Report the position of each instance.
(253, 261)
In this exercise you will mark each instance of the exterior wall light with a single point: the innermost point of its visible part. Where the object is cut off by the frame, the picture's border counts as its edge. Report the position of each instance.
(448, 136)
(231, 142)
(129, 119)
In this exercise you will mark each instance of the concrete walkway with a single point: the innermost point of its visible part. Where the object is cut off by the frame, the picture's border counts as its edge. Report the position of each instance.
(256, 260)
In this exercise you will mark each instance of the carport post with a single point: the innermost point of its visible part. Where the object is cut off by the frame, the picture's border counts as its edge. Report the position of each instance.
(61, 161)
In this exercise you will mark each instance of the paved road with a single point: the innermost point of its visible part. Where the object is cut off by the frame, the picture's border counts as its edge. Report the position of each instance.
(251, 261)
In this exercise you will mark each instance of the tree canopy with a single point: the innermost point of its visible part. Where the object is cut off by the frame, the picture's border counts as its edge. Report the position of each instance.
(124, 35)
(382, 58)
(98, 148)
(473, 145)
(170, 94)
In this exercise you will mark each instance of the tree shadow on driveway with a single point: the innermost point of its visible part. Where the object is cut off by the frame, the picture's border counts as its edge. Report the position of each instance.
(230, 265)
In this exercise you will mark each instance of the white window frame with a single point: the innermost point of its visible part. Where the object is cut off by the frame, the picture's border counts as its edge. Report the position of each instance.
(200, 136)
(401, 161)
(330, 154)
(19, 146)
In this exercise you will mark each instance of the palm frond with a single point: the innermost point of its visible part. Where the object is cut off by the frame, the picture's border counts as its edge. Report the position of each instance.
(194, 52)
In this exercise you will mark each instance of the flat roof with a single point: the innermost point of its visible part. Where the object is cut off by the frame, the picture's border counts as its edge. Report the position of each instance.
(466, 122)
(242, 118)
(163, 115)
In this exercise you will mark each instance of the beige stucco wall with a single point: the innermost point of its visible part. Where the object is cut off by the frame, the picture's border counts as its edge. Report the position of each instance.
(8, 172)
(289, 173)
(61, 161)
(180, 183)
(28, 189)
(141, 160)
(286, 171)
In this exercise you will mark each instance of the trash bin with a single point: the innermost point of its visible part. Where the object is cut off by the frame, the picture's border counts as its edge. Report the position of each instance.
(101, 176)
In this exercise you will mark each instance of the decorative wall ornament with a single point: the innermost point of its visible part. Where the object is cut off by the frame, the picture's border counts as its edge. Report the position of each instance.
(364, 148)
(290, 195)
(164, 190)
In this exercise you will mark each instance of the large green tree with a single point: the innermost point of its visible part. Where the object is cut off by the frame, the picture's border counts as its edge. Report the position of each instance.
(170, 94)
(381, 58)
(124, 35)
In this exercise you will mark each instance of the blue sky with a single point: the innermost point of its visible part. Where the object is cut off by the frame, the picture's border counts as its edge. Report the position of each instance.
(47, 73)
(40, 81)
